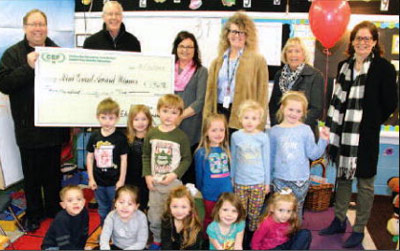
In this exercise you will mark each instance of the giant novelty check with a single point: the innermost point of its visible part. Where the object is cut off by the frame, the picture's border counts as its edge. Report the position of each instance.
(69, 83)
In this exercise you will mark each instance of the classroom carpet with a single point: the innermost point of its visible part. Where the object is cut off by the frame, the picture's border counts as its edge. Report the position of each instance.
(315, 221)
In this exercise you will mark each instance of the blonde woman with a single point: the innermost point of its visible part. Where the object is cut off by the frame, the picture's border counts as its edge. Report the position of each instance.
(298, 75)
(238, 73)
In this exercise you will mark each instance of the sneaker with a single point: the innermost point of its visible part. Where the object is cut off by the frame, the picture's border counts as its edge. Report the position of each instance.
(354, 240)
(155, 246)
(335, 227)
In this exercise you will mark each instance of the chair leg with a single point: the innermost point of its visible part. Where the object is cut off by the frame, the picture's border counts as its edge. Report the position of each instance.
(19, 225)
(2, 232)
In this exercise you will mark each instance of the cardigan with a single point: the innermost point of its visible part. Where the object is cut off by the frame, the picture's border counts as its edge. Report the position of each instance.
(380, 101)
(251, 83)
(193, 96)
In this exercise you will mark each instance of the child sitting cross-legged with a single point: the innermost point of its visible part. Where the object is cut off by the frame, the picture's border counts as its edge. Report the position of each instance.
(126, 226)
(181, 227)
(279, 227)
(69, 229)
(227, 230)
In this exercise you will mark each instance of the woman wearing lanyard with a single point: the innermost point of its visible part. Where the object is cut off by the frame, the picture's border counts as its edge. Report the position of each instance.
(238, 73)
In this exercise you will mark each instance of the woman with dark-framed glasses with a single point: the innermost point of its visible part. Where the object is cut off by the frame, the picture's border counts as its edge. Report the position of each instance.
(365, 96)
(190, 85)
(238, 73)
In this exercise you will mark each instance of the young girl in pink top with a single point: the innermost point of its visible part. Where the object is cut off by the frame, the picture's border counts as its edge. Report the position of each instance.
(279, 228)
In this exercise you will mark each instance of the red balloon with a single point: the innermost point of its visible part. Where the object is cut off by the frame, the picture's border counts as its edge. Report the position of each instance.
(328, 20)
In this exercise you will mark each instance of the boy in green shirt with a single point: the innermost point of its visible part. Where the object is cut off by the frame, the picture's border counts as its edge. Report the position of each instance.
(166, 157)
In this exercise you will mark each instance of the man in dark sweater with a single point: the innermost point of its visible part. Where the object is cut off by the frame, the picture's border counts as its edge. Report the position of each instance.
(69, 229)
(40, 147)
(113, 36)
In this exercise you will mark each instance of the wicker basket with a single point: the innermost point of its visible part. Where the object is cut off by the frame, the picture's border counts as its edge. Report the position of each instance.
(319, 196)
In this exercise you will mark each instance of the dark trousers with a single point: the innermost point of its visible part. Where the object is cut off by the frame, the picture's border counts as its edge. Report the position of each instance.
(301, 240)
(41, 168)
(113, 247)
(143, 190)
(190, 174)
(227, 113)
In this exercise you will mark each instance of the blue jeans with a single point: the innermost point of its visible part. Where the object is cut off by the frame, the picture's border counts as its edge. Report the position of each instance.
(301, 240)
(300, 191)
(105, 198)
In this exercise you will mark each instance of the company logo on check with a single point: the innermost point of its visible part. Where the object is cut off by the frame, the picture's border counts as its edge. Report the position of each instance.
(53, 58)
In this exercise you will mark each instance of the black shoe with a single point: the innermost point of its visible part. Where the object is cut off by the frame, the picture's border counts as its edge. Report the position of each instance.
(205, 245)
(93, 205)
(31, 225)
(335, 227)
(248, 235)
(354, 240)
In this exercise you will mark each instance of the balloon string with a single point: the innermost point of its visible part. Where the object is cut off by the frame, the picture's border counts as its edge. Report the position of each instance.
(327, 53)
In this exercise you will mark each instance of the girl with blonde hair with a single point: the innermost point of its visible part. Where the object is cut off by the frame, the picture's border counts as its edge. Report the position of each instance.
(279, 227)
(212, 163)
(292, 146)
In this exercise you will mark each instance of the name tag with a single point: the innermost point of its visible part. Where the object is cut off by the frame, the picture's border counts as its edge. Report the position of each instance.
(227, 102)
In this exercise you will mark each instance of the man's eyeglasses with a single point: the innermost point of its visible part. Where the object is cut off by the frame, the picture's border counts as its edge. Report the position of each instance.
(365, 39)
(182, 47)
(41, 25)
(236, 32)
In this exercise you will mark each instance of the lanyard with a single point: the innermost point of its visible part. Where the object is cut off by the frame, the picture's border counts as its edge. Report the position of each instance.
(230, 78)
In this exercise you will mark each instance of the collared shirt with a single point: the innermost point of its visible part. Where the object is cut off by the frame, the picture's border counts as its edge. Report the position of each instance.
(225, 81)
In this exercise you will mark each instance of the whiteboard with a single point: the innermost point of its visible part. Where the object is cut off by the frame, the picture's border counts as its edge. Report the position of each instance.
(156, 34)
(270, 41)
